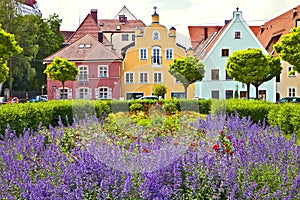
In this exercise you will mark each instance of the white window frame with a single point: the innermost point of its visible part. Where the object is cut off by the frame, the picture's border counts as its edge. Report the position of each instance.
(103, 92)
(290, 68)
(129, 74)
(169, 54)
(291, 91)
(83, 73)
(155, 74)
(143, 53)
(102, 71)
(218, 92)
(83, 94)
(156, 56)
(141, 78)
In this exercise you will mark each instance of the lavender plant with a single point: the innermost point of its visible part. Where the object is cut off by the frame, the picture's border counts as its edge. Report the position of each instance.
(226, 157)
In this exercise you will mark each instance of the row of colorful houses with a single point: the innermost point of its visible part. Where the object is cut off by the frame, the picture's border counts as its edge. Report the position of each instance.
(122, 58)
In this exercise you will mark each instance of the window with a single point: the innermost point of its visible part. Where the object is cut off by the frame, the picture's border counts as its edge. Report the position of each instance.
(133, 37)
(129, 77)
(291, 71)
(228, 78)
(169, 54)
(243, 94)
(215, 94)
(83, 93)
(143, 54)
(87, 46)
(177, 81)
(157, 77)
(156, 56)
(229, 94)
(63, 94)
(262, 94)
(237, 35)
(143, 77)
(125, 37)
(292, 92)
(297, 22)
(215, 74)
(102, 71)
(83, 74)
(155, 35)
(178, 95)
(225, 53)
(81, 46)
(103, 93)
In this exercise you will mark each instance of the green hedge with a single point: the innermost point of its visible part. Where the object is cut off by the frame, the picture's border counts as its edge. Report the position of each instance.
(31, 115)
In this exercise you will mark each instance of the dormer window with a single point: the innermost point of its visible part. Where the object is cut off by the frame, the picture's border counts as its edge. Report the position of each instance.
(81, 46)
(155, 35)
(118, 27)
(87, 46)
(122, 19)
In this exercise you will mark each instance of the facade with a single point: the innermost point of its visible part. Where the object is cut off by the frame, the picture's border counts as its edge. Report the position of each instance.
(99, 71)
(27, 7)
(147, 60)
(271, 32)
(214, 48)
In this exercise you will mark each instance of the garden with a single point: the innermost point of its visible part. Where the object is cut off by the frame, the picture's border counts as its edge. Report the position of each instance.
(150, 150)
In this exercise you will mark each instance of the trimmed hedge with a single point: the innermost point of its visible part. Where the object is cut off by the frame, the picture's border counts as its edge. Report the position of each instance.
(31, 115)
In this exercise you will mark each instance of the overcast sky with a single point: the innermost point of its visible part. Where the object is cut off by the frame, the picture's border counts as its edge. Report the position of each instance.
(177, 13)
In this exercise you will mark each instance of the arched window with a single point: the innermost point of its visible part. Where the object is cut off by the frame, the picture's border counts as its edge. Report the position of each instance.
(156, 56)
(156, 35)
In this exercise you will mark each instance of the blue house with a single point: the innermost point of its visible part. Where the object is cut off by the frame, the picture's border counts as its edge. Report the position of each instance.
(216, 44)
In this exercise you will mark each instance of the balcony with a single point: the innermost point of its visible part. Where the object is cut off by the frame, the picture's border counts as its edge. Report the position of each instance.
(156, 60)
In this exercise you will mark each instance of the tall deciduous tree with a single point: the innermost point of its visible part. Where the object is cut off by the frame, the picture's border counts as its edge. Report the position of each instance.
(187, 70)
(288, 48)
(62, 70)
(8, 48)
(251, 66)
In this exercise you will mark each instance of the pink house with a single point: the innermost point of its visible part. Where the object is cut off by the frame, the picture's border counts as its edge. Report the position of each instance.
(99, 71)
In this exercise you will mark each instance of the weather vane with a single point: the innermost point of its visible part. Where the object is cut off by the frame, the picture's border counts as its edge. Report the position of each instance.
(154, 9)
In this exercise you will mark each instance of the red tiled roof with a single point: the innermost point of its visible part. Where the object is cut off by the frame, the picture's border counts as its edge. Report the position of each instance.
(29, 2)
(67, 35)
(197, 33)
(255, 29)
(88, 26)
(275, 28)
(96, 52)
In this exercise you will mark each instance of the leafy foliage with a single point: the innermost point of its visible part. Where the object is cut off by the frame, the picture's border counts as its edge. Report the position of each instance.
(288, 48)
(159, 90)
(187, 70)
(251, 66)
(8, 48)
(62, 70)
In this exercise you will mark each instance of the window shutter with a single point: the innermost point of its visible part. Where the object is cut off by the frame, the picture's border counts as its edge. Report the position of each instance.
(89, 93)
(97, 93)
(57, 94)
(109, 93)
(77, 93)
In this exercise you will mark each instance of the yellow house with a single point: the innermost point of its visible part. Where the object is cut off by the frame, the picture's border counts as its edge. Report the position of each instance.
(146, 62)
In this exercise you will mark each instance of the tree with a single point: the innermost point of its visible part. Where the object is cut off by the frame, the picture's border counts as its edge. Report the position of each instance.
(159, 90)
(187, 70)
(288, 48)
(251, 66)
(62, 70)
(8, 48)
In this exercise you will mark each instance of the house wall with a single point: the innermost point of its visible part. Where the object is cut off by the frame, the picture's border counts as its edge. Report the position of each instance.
(132, 63)
(214, 60)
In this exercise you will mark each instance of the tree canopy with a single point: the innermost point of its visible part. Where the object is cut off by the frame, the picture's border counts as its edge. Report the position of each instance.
(159, 90)
(62, 70)
(288, 48)
(251, 66)
(38, 37)
(187, 70)
(8, 48)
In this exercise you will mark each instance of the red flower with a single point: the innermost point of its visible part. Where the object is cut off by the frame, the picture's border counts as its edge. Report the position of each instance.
(215, 147)
(228, 137)
(221, 132)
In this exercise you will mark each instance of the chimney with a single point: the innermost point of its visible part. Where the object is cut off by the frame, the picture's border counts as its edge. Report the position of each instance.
(262, 28)
(155, 17)
(100, 36)
(205, 33)
(94, 13)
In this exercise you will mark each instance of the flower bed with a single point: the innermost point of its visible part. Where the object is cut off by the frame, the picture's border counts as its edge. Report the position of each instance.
(182, 156)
